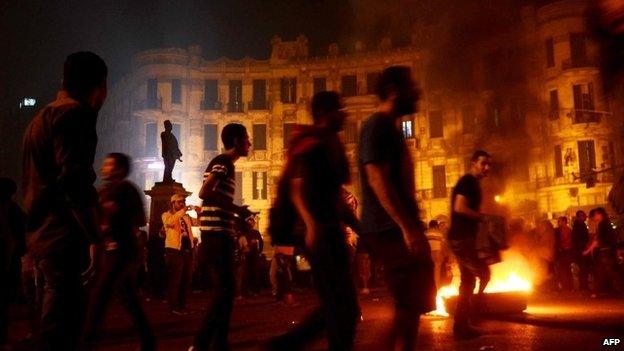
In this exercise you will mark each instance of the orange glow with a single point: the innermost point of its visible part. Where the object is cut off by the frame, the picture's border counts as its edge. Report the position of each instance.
(512, 274)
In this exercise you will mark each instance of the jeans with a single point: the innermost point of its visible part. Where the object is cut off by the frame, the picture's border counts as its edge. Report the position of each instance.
(281, 272)
(219, 260)
(339, 311)
(180, 266)
(470, 267)
(117, 272)
(62, 298)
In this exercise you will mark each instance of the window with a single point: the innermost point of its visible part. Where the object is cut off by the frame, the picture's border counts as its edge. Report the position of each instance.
(350, 133)
(439, 182)
(211, 90)
(259, 100)
(238, 188)
(236, 96)
(288, 90)
(210, 137)
(436, 124)
(408, 129)
(371, 82)
(492, 112)
(152, 89)
(259, 185)
(319, 84)
(349, 85)
(151, 131)
(578, 50)
(468, 120)
(550, 52)
(259, 136)
(584, 104)
(587, 158)
(288, 128)
(176, 91)
(558, 162)
(554, 105)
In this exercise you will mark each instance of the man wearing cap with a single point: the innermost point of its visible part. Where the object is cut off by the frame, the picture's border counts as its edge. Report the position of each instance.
(179, 251)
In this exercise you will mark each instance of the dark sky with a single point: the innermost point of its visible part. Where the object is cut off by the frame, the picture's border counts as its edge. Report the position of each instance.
(36, 36)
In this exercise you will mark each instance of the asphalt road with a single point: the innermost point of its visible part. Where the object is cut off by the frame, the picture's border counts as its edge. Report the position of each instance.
(560, 322)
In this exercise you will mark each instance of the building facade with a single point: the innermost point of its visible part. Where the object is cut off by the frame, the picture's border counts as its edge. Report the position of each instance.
(534, 101)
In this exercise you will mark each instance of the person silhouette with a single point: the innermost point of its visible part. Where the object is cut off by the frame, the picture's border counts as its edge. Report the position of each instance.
(170, 151)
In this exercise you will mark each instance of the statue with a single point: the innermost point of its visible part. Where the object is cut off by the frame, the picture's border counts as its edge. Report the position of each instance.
(170, 151)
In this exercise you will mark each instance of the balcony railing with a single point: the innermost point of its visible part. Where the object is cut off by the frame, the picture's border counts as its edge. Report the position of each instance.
(148, 104)
(586, 116)
(211, 105)
(579, 63)
(235, 106)
(258, 105)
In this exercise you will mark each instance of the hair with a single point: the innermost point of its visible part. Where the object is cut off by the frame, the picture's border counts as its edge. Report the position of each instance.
(82, 72)
(563, 218)
(167, 123)
(580, 212)
(600, 210)
(323, 102)
(122, 162)
(231, 132)
(592, 212)
(394, 78)
(8, 187)
(433, 223)
(477, 154)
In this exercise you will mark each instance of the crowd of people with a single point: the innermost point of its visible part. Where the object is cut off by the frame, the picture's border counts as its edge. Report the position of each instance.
(84, 244)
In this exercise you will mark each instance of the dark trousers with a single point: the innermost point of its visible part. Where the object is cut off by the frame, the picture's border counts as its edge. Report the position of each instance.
(410, 280)
(62, 299)
(219, 260)
(169, 163)
(117, 272)
(180, 266)
(564, 269)
(339, 311)
(605, 271)
(470, 268)
(5, 301)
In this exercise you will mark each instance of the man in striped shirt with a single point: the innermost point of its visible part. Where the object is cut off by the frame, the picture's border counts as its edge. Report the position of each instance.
(217, 224)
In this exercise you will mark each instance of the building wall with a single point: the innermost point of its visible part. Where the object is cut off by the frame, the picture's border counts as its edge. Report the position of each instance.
(123, 120)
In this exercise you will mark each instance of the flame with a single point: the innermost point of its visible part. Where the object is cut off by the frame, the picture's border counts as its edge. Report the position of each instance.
(512, 274)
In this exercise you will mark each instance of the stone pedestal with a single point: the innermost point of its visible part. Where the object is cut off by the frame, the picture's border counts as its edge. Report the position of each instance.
(161, 195)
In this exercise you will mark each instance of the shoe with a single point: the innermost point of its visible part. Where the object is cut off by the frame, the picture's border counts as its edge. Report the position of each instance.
(465, 332)
(365, 291)
(179, 312)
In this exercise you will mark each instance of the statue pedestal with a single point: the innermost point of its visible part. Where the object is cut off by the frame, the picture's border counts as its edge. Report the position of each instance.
(161, 195)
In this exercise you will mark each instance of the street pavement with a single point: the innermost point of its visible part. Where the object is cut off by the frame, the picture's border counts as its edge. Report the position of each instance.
(555, 322)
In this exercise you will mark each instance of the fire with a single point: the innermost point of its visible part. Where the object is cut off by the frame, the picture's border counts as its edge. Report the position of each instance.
(512, 274)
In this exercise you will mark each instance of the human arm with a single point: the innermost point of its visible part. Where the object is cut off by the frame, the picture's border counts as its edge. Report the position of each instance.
(460, 205)
(297, 189)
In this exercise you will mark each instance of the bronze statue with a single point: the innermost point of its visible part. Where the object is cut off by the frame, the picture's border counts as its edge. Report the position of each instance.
(170, 151)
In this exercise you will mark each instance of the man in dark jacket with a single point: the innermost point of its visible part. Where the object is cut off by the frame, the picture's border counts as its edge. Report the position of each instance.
(59, 196)
(580, 240)
(170, 151)
(316, 170)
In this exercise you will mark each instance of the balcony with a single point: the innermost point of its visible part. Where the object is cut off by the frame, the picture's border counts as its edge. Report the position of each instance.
(586, 116)
(148, 104)
(258, 105)
(579, 63)
(235, 106)
(211, 105)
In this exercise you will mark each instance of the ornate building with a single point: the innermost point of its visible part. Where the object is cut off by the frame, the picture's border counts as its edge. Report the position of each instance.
(533, 99)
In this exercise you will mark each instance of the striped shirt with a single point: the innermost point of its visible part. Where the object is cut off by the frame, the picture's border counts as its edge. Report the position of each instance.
(214, 218)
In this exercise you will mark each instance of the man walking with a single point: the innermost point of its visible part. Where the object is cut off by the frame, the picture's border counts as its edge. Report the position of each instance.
(59, 196)
(122, 215)
(465, 218)
(179, 251)
(218, 217)
(390, 223)
(311, 185)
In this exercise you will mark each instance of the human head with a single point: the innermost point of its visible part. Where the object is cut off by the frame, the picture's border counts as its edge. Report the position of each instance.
(234, 136)
(168, 125)
(8, 187)
(580, 216)
(562, 221)
(433, 224)
(599, 214)
(84, 78)
(116, 166)
(481, 162)
(178, 202)
(328, 110)
(395, 85)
